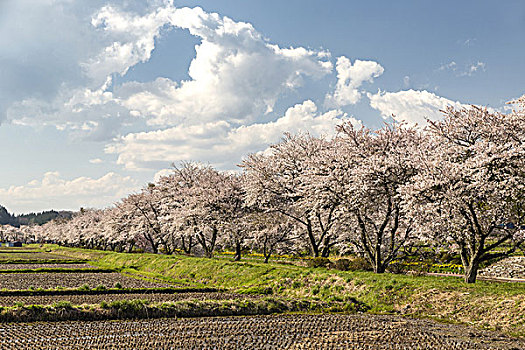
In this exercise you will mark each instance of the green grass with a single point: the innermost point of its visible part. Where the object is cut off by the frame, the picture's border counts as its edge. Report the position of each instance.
(220, 273)
(133, 309)
(447, 298)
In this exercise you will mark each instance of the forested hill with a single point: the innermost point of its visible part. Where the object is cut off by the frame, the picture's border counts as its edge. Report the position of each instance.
(6, 218)
(32, 218)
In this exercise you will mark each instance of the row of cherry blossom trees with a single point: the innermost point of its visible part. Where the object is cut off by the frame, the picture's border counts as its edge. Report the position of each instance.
(459, 184)
(10, 233)
(196, 210)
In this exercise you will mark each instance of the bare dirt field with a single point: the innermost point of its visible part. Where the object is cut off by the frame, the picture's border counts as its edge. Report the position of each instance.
(361, 331)
(44, 266)
(7, 255)
(15, 281)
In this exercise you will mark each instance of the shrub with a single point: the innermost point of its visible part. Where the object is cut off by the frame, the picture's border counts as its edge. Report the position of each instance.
(446, 257)
(318, 262)
(359, 264)
(420, 269)
(35, 307)
(84, 287)
(341, 264)
(63, 304)
(315, 290)
(397, 267)
(257, 290)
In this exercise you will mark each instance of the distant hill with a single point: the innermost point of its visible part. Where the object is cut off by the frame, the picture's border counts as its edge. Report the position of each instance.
(6, 218)
(32, 218)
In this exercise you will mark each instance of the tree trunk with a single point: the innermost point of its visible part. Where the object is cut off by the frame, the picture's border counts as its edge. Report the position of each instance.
(325, 253)
(167, 248)
(379, 268)
(237, 256)
(187, 248)
(378, 265)
(267, 251)
(313, 243)
(207, 248)
(213, 240)
(155, 248)
(471, 271)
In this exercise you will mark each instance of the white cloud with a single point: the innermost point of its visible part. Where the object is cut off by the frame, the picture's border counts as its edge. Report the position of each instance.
(52, 191)
(236, 75)
(61, 88)
(41, 50)
(406, 81)
(96, 161)
(411, 106)
(452, 65)
(78, 95)
(133, 40)
(349, 79)
(85, 113)
(162, 173)
(219, 143)
(473, 68)
(469, 42)
(467, 70)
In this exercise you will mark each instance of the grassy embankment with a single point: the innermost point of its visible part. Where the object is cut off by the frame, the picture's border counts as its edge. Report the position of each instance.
(137, 309)
(492, 305)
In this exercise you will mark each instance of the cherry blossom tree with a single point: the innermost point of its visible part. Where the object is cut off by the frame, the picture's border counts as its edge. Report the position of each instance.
(174, 200)
(234, 213)
(273, 233)
(10, 233)
(280, 181)
(144, 211)
(471, 191)
(198, 196)
(53, 231)
(117, 228)
(364, 170)
(94, 228)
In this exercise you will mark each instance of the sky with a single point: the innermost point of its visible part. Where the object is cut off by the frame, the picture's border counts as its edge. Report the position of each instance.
(98, 98)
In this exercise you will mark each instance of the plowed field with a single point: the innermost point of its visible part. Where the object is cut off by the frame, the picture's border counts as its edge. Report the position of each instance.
(14, 281)
(259, 332)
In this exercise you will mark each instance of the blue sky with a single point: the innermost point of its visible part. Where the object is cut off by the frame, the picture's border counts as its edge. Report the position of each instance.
(98, 97)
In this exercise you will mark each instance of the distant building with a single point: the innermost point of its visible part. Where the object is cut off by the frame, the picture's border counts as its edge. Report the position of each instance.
(11, 244)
